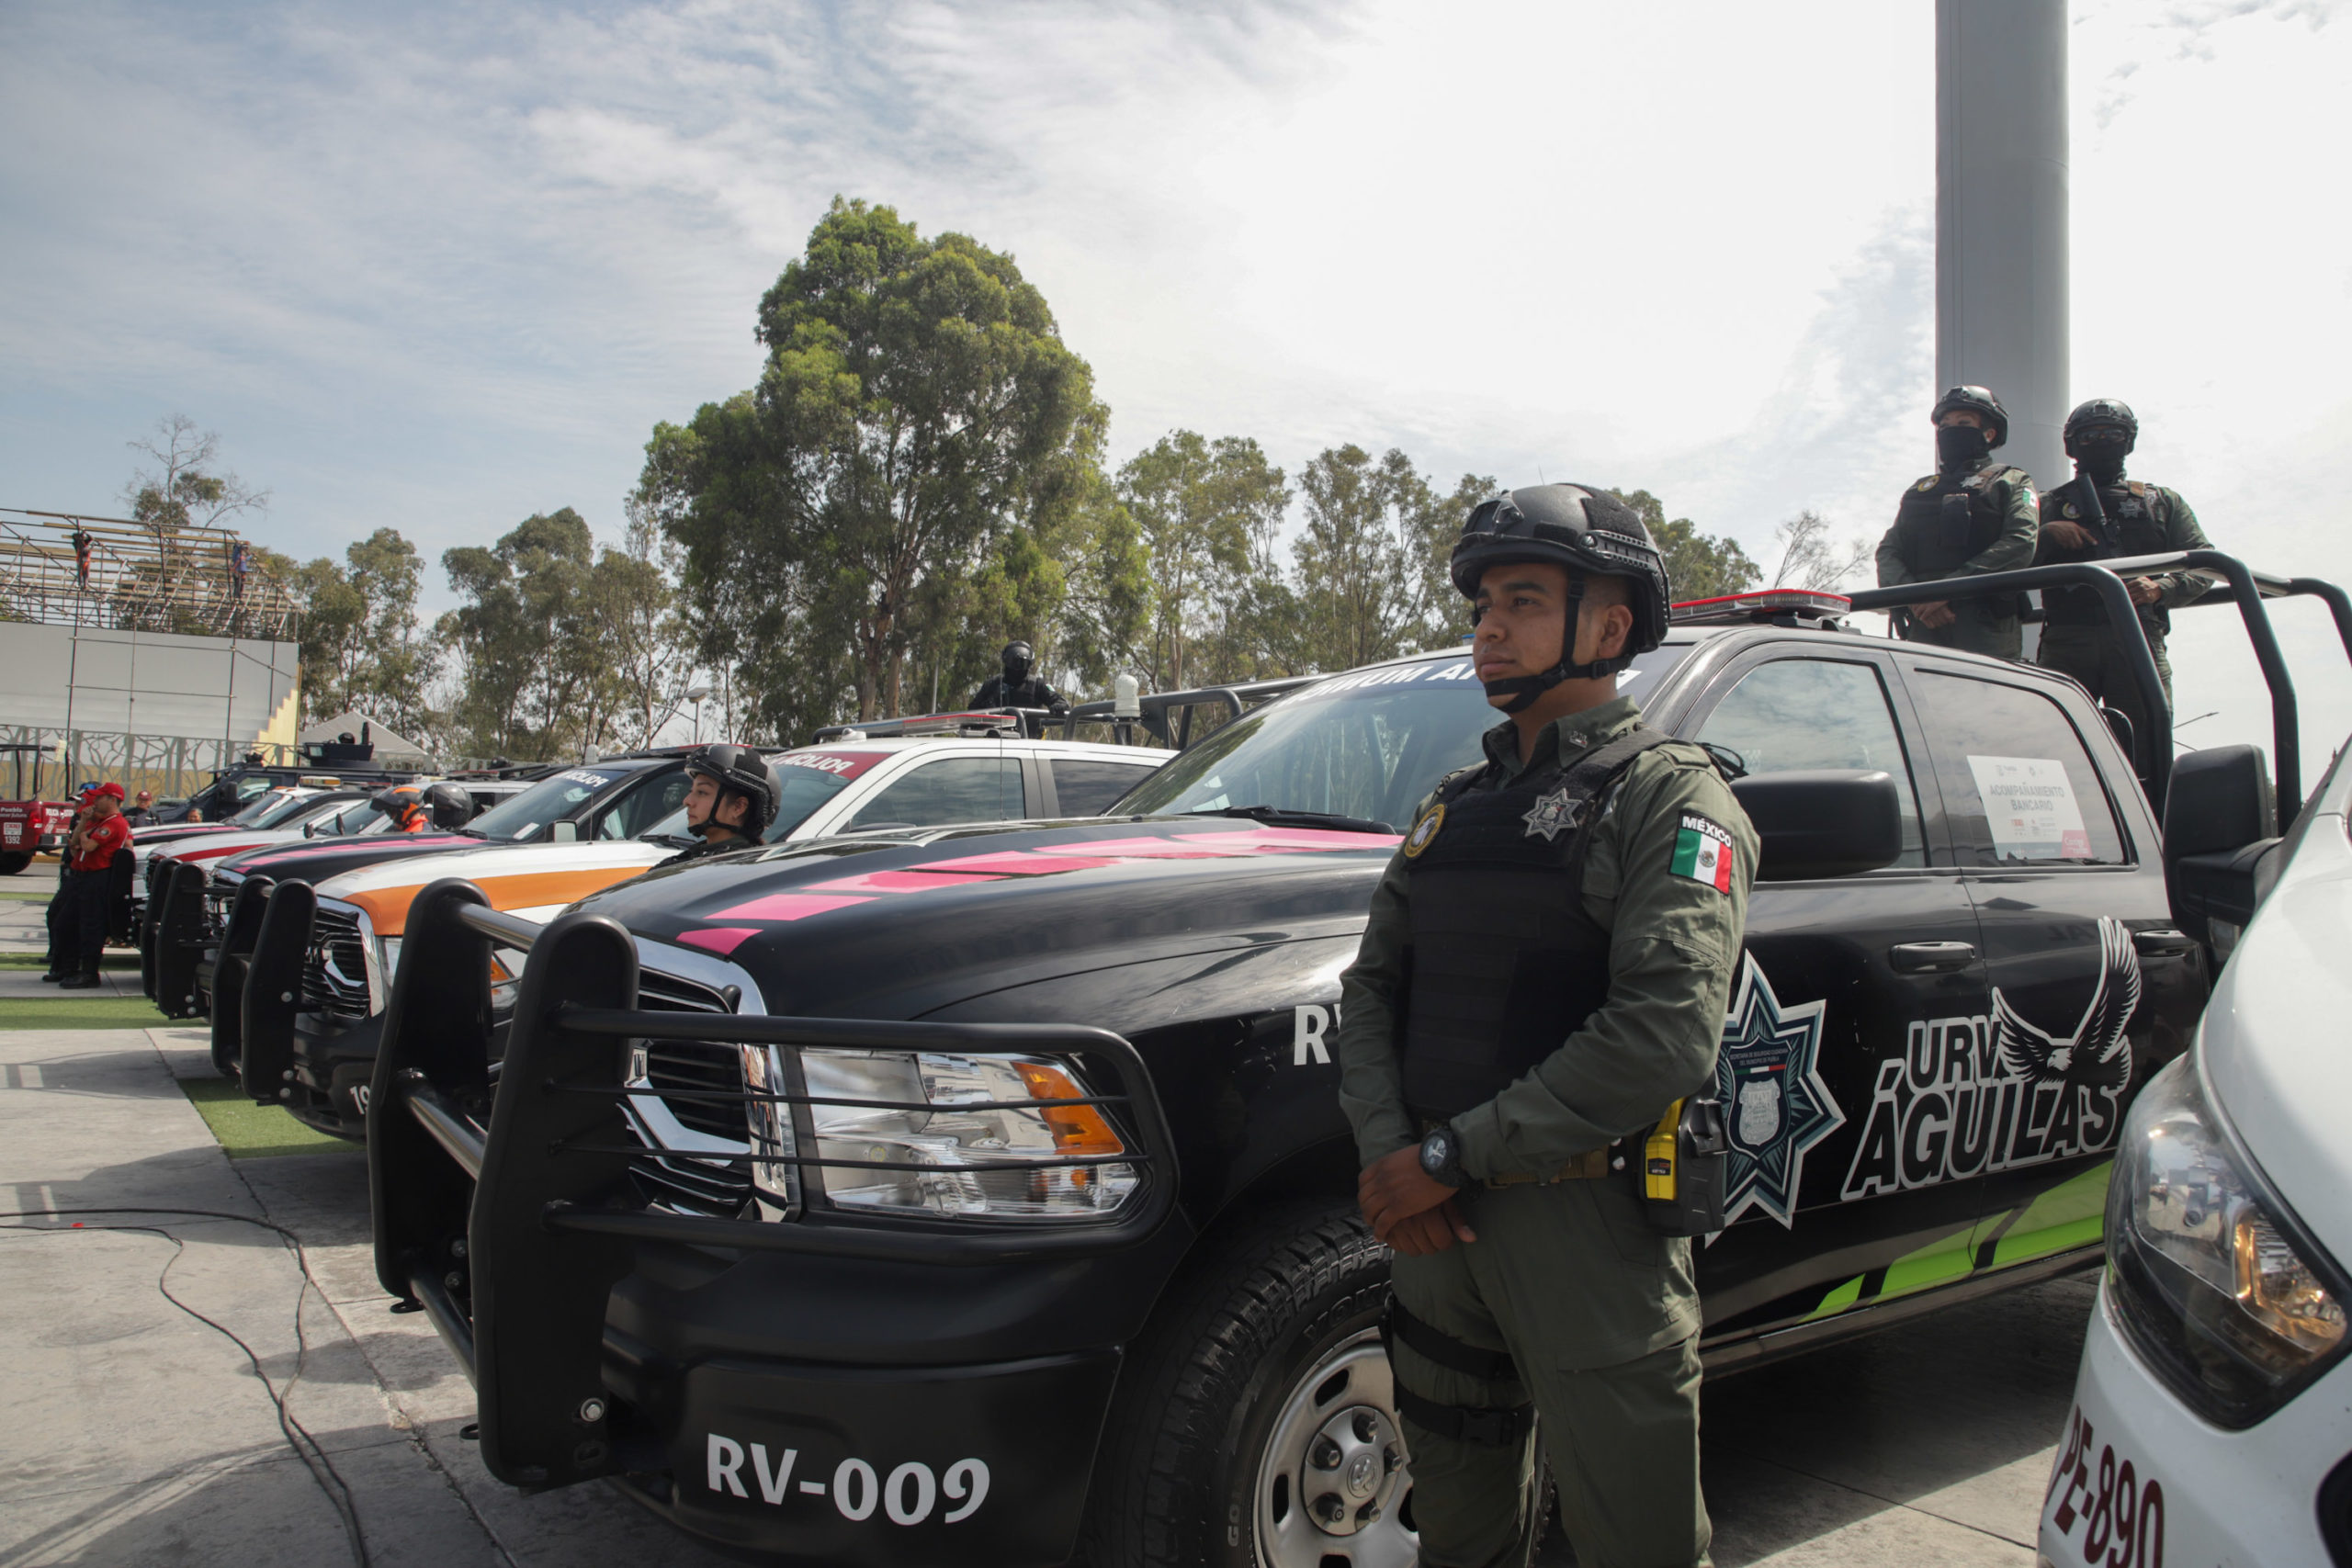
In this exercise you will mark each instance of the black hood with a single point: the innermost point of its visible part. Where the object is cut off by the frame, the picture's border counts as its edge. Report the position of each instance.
(315, 860)
(900, 926)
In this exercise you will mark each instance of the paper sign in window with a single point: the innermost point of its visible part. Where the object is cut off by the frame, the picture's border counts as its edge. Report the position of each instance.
(2030, 807)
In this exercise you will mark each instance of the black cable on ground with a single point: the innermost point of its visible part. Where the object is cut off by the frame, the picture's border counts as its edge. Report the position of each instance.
(306, 1447)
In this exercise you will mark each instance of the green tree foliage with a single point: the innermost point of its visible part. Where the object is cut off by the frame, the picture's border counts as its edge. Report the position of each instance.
(1371, 579)
(1200, 509)
(1700, 566)
(898, 492)
(362, 644)
(537, 681)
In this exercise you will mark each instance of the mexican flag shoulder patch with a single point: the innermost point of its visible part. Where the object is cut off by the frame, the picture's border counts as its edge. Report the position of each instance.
(1702, 852)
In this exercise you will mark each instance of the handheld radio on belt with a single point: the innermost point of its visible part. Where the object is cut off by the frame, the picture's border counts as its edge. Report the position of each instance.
(1682, 1168)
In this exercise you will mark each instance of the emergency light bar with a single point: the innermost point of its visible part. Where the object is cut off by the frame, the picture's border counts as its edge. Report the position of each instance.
(1763, 604)
(973, 724)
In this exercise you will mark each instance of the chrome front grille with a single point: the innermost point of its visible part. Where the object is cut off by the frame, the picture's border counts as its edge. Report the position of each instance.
(719, 1181)
(334, 971)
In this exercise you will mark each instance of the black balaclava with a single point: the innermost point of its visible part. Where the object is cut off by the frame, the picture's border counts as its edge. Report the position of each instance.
(2100, 452)
(1017, 656)
(1958, 445)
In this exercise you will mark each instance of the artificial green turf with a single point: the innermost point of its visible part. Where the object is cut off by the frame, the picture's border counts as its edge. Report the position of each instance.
(254, 1131)
(78, 1010)
(37, 961)
(36, 895)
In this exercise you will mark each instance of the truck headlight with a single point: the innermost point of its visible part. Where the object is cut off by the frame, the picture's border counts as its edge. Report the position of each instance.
(2210, 1290)
(968, 1135)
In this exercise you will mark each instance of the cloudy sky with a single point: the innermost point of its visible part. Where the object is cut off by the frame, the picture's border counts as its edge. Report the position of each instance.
(440, 266)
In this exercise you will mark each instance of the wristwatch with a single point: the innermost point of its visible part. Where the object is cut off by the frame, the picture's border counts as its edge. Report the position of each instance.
(1442, 1156)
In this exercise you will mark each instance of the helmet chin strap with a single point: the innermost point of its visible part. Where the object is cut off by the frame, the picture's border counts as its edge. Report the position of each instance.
(1523, 689)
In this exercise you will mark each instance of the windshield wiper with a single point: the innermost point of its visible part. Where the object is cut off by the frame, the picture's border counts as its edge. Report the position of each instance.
(1275, 815)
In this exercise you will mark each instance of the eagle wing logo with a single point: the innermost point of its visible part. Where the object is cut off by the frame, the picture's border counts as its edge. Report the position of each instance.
(2098, 1052)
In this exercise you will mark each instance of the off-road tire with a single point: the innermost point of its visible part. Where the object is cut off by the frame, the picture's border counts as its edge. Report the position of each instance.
(1176, 1478)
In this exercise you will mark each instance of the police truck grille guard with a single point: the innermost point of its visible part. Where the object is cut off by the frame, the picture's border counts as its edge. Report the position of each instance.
(335, 971)
(507, 1205)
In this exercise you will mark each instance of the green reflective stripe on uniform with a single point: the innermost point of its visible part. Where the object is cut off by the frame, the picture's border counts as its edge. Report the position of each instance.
(2070, 1215)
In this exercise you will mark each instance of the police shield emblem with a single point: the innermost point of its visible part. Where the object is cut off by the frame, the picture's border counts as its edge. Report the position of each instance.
(1424, 831)
(1768, 1073)
(1760, 1113)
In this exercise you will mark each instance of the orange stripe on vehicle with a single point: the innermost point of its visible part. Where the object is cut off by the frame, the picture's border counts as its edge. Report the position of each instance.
(387, 908)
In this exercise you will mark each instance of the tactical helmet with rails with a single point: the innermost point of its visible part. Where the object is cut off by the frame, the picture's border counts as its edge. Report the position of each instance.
(1585, 530)
(1981, 401)
(738, 770)
(2103, 426)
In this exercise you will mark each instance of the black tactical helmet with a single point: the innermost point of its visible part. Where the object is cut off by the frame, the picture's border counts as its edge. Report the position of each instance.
(394, 801)
(1585, 529)
(1983, 402)
(2107, 413)
(742, 771)
(1018, 658)
(452, 806)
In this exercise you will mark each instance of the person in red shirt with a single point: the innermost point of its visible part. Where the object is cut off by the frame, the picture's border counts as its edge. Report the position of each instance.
(101, 837)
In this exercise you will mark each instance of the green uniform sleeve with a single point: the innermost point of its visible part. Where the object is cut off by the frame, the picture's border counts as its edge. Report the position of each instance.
(2177, 588)
(1372, 1084)
(2020, 531)
(1674, 940)
(1891, 572)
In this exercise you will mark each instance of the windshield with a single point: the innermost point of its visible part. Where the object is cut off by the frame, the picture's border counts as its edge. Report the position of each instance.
(1366, 745)
(805, 789)
(347, 818)
(293, 813)
(266, 809)
(549, 800)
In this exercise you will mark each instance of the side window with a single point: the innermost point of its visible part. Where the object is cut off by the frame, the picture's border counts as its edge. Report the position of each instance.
(950, 789)
(640, 809)
(2017, 785)
(1818, 713)
(1087, 788)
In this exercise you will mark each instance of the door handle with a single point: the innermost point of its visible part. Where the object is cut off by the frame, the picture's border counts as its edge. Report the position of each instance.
(1931, 957)
(2163, 942)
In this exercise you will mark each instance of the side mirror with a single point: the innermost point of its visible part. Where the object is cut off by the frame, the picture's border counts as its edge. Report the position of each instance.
(2220, 841)
(1824, 822)
(564, 832)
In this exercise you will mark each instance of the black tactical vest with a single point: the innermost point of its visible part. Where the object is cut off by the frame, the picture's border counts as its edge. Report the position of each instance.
(1504, 964)
(1946, 520)
(2137, 517)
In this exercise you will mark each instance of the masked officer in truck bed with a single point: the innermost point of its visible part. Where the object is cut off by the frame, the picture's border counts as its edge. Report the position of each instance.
(2101, 516)
(1970, 516)
(1545, 972)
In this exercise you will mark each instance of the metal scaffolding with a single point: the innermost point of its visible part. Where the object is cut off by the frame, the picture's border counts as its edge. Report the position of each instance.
(62, 569)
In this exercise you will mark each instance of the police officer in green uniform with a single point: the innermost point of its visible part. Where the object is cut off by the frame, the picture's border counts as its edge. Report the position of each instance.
(2101, 516)
(1970, 516)
(1544, 975)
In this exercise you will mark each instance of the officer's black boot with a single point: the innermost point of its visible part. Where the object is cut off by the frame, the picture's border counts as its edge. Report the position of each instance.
(87, 980)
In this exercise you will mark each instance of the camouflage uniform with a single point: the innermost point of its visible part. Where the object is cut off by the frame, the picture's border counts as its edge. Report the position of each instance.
(1977, 519)
(1599, 1312)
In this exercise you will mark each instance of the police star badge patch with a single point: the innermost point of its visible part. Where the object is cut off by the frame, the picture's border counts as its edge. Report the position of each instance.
(1552, 814)
(1776, 1105)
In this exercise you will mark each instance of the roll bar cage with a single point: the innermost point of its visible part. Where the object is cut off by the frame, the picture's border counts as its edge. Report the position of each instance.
(1032, 724)
(2241, 585)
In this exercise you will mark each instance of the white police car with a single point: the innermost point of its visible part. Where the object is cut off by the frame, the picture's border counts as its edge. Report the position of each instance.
(2212, 1417)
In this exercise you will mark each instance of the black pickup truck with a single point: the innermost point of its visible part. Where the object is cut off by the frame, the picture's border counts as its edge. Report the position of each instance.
(980, 1195)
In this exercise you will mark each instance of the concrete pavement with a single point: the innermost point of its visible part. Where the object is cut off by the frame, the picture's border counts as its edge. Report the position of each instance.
(141, 1436)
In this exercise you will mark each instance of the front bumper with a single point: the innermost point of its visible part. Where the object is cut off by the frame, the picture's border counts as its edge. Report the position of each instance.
(815, 1389)
(2197, 1493)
